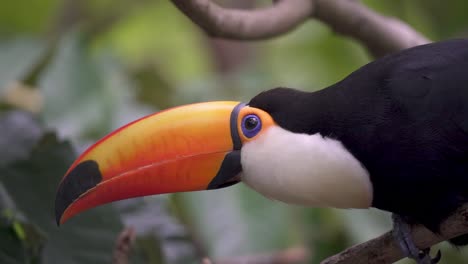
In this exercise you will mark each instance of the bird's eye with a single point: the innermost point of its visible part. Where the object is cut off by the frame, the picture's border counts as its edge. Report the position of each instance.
(251, 125)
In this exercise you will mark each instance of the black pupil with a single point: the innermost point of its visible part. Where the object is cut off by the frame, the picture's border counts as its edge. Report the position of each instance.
(251, 123)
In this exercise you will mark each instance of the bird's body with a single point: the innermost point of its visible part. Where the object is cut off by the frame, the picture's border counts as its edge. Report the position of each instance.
(392, 135)
(404, 118)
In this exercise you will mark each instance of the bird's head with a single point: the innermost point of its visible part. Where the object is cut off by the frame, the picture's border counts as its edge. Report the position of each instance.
(197, 147)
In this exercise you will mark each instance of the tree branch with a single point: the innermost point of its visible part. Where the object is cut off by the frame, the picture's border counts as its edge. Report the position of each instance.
(384, 249)
(381, 35)
(281, 17)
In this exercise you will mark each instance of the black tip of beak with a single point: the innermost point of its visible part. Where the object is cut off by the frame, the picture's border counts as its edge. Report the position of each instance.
(83, 177)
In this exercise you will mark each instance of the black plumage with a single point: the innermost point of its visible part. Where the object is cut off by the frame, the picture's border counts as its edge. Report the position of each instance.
(404, 117)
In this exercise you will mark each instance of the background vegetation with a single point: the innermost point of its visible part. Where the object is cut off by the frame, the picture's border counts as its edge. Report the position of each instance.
(72, 71)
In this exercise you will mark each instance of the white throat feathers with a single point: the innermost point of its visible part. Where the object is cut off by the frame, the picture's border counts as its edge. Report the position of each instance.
(303, 169)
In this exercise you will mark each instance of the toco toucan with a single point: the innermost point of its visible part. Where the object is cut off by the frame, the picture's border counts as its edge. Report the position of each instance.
(392, 135)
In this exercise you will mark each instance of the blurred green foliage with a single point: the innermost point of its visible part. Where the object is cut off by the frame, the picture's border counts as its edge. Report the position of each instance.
(79, 69)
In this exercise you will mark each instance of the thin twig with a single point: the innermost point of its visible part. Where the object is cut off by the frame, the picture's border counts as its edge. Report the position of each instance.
(384, 249)
(123, 246)
(381, 35)
(263, 23)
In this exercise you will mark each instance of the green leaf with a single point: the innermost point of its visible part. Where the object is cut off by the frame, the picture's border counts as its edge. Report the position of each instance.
(85, 97)
(12, 250)
(29, 242)
(20, 242)
(32, 183)
(20, 233)
(72, 89)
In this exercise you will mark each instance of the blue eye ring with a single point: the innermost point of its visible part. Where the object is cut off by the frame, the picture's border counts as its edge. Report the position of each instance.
(251, 125)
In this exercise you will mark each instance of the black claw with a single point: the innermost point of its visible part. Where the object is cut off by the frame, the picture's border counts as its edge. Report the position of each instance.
(437, 258)
(402, 233)
(424, 252)
(424, 257)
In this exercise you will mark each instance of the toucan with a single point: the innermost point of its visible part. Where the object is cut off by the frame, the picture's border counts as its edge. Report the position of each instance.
(392, 135)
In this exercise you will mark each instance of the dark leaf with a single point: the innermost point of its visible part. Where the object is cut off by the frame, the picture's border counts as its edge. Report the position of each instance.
(32, 183)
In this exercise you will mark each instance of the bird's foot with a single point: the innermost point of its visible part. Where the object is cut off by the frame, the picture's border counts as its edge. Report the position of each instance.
(402, 233)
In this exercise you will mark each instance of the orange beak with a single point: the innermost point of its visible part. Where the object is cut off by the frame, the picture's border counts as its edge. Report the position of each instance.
(188, 148)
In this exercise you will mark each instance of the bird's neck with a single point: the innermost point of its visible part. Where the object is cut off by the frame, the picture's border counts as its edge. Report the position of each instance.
(304, 160)
(325, 112)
